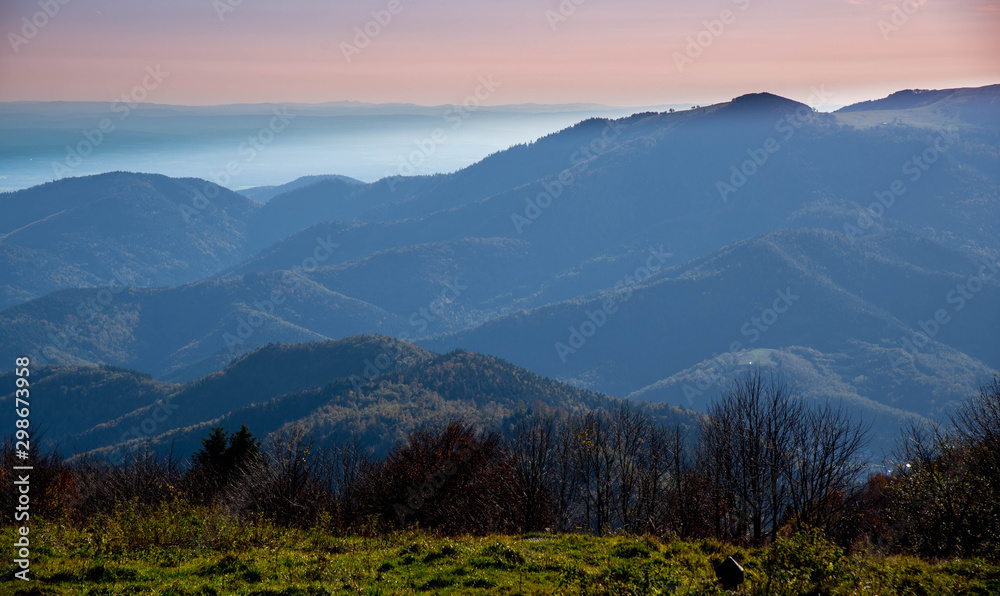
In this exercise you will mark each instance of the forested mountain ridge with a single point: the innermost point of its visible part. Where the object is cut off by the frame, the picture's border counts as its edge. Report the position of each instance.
(634, 256)
(373, 388)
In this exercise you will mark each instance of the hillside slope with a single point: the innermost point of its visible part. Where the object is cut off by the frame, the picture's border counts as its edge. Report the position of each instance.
(381, 410)
(122, 228)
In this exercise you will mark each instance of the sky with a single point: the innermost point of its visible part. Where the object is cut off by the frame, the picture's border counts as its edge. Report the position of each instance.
(432, 52)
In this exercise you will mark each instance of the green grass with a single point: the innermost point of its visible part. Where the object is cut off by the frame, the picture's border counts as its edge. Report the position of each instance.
(177, 551)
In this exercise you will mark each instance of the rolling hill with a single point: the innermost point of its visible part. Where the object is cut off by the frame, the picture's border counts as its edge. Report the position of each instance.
(122, 228)
(263, 194)
(374, 388)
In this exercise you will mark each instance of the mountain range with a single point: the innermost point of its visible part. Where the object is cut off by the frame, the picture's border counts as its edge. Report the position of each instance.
(652, 257)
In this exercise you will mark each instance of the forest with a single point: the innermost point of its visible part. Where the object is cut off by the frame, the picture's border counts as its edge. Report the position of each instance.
(761, 469)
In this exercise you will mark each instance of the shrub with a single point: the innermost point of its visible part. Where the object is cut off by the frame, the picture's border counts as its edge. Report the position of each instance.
(806, 563)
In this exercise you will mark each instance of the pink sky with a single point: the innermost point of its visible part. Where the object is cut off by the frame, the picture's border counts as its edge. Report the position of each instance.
(620, 52)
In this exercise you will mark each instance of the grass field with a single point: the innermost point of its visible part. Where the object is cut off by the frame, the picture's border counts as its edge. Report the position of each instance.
(180, 551)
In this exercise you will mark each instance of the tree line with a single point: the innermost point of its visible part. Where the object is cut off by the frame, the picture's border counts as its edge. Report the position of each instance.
(759, 464)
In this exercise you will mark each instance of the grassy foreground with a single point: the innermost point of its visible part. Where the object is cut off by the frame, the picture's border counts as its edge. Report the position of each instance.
(177, 551)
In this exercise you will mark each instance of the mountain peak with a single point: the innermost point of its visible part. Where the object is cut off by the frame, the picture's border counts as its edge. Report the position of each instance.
(763, 102)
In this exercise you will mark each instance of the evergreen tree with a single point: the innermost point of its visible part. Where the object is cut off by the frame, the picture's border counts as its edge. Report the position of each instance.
(223, 459)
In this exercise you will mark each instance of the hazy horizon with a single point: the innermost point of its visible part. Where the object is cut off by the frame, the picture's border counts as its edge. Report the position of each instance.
(362, 140)
(528, 68)
(42, 140)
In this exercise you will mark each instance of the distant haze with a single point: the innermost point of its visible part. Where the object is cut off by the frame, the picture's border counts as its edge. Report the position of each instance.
(41, 142)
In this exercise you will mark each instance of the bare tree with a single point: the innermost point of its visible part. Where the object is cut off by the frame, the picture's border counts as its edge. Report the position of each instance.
(769, 458)
(629, 431)
(339, 467)
(977, 424)
(534, 446)
(661, 477)
(716, 466)
(283, 485)
(746, 440)
(783, 421)
(141, 477)
(565, 479)
(453, 479)
(592, 463)
(825, 472)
